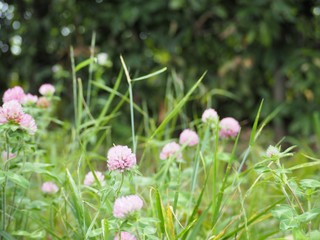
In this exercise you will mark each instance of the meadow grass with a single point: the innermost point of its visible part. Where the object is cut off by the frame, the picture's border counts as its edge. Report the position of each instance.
(218, 187)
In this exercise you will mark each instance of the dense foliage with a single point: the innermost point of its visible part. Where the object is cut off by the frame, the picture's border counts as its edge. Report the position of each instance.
(254, 49)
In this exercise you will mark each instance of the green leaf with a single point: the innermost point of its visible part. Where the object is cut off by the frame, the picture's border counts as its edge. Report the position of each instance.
(310, 215)
(17, 179)
(95, 233)
(37, 168)
(310, 183)
(287, 215)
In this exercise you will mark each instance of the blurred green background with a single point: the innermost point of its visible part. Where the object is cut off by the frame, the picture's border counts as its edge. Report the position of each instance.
(253, 49)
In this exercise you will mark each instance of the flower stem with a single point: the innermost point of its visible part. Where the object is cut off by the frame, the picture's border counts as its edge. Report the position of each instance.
(4, 185)
(120, 186)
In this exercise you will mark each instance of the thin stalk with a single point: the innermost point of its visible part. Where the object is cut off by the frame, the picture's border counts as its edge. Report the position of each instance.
(176, 195)
(132, 118)
(255, 182)
(74, 84)
(4, 186)
(197, 160)
(131, 103)
(93, 42)
(120, 186)
(215, 166)
(309, 210)
(224, 182)
(283, 178)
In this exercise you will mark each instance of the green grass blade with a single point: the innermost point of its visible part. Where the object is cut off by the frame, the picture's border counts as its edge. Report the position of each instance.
(123, 97)
(169, 221)
(255, 125)
(194, 232)
(93, 42)
(224, 93)
(112, 95)
(224, 181)
(149, 75)
(178, 107)
(184, 232)
(131, 104)
(268, 119)
(79, 103)
(74, 84)
(77, 205)
(253, 219)
(303, 165)
(196, 207)
(160, 210)
(83, 64)
(105, 229)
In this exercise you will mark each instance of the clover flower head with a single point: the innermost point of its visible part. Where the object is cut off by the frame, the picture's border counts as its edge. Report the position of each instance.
(229, 127)
(169, 150)
(15, 93)
(124, 236)
(49, 187)
(89, 178)
(272, 151)
(126, 205)
(11, 111)
(43, 102)
(27, 122)
(189, 137)
(29, 99)
(210, 115)
(120, 158)
(47, 89)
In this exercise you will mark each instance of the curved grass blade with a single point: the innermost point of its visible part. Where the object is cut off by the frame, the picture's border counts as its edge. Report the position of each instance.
(178, 107)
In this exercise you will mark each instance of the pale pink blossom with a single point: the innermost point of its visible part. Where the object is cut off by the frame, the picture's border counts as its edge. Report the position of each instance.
(189, 137)
(120, 158)
(126, 205)
(47, 89)
(171, 149)
(29, 99)
(89, 178)
(49, 187)
(4, 156)
(11, 112)
(43, 102)
(229, 127)
(15, 93)
(3, 118)
(124, 236)
(210, 115)
(27, 122)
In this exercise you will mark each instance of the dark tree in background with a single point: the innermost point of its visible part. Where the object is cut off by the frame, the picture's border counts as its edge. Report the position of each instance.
(255, 49)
